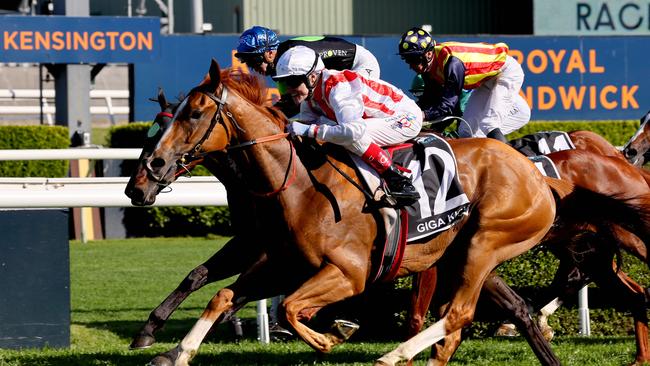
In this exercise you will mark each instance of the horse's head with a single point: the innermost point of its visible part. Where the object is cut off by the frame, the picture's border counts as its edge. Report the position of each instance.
(140, 189)
(226, 107)
(639, 144)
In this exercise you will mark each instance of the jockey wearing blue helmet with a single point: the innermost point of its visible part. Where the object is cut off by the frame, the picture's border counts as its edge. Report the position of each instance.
(257, 48)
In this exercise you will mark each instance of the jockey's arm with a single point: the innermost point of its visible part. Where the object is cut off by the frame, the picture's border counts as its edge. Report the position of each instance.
(451, 91)
(347, 105)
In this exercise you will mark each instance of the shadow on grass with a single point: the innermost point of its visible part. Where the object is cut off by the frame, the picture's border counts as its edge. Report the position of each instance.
(175, 330)
(592, 340)
(258, 357)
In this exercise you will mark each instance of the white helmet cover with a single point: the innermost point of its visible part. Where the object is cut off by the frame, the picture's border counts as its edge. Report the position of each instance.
(298, 61)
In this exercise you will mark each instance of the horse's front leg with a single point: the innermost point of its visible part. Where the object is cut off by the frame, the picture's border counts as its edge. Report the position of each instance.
(230, 260)
(329, 285)
(258, 282)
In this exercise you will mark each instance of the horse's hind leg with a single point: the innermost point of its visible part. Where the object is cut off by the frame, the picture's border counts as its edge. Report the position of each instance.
(517, 309)
(630, 296)
(498, 292)
(494, 241)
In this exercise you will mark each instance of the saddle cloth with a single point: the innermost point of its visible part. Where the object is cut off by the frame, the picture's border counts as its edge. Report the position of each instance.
(434, 174)
(443, 203)
(542, 143)
(545, 166)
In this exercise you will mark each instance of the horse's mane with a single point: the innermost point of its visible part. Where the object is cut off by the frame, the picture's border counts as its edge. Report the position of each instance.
(253, 89)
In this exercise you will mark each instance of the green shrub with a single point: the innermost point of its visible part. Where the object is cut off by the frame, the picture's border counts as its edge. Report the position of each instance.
(616, 132)
(34, 137)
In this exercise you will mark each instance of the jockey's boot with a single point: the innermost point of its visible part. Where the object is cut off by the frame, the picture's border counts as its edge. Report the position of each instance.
(497, 135)
(399, 185)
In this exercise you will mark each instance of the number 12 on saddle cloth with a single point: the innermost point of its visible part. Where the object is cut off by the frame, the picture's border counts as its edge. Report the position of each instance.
(434, 174)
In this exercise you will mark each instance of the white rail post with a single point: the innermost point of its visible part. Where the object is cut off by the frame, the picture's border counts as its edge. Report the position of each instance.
(583, 309)
(263, 322)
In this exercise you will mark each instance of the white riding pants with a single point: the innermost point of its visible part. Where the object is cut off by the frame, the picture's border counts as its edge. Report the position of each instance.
(497, 104)
(387, 131)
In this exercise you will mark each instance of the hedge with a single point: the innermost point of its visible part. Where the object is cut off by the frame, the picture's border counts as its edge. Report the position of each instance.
(527, 273)
(34, 137)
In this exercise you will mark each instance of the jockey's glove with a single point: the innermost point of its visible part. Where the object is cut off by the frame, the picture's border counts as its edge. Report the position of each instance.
(301, 129)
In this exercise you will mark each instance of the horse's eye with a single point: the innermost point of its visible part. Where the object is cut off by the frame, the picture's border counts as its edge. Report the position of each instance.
(196, 114)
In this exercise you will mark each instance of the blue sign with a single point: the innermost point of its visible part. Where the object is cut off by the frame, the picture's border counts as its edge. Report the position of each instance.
(62, 39)
(567, 78)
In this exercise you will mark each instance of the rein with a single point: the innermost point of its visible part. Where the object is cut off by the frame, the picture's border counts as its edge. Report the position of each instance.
(288, 179)
(194, 154)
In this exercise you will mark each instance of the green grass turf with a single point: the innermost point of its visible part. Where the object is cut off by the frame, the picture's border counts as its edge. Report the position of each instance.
(116, 283)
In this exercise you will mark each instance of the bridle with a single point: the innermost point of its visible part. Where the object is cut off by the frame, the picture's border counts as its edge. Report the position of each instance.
(216, 118)
(196, 154)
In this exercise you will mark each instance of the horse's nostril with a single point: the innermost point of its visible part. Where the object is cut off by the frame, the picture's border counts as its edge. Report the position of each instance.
(630, 152)
(157, 163)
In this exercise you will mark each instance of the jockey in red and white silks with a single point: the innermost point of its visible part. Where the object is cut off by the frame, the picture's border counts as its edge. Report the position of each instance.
(359, 111)
(348, 109)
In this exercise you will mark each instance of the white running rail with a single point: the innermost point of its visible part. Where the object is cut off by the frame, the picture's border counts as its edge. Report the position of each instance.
(107, 96)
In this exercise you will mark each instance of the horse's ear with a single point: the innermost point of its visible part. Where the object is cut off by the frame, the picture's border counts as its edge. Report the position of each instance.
(215, 74)
(162, 100)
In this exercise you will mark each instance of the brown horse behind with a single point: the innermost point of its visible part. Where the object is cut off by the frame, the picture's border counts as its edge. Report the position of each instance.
(606, 174)
(323, 236)
(636, 148)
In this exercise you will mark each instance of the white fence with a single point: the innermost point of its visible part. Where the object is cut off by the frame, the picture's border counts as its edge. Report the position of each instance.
(97, 192)
(106, 96)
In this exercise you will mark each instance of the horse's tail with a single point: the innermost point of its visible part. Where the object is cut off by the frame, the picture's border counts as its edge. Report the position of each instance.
(583, 210)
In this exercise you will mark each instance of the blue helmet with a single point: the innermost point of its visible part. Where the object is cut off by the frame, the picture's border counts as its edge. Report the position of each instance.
(257, 40)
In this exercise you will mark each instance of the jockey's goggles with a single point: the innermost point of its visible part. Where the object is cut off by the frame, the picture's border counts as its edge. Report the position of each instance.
(414, 58)
(293, 81)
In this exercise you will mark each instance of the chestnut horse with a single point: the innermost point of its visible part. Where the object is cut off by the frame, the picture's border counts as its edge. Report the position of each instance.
(599, 173)
(242, 213)
(324, 235)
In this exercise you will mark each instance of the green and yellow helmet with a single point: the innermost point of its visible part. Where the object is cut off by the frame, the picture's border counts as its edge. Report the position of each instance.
(416, 41)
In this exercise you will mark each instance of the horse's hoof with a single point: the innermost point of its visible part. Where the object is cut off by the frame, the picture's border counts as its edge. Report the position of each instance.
(345, 328)
(142, 341)
(161, 360)
(279, 333)
(548, 334)
(382, 363)
(165, 359)
(506, 330)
